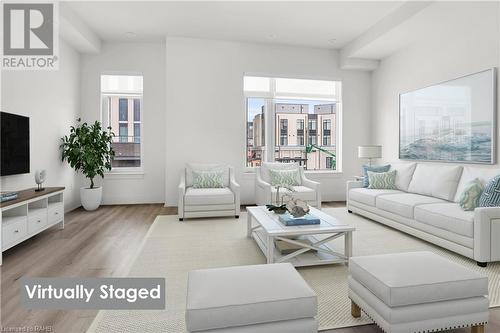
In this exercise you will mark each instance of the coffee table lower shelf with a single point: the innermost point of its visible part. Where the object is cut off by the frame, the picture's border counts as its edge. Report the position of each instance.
(322, 255)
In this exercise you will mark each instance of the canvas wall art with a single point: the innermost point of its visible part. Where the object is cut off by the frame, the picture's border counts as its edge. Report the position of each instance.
(453, 121)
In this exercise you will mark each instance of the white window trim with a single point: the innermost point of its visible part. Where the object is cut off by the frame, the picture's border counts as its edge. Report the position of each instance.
(270, 137)
(124, 172)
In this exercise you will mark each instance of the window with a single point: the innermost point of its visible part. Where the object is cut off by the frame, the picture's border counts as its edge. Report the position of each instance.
(329, 162)
(256, 138)
(123, 136)
(123, 109)
(300, 132)
(327, 125)
(121, 98)
(137, 133)
(312, 124)
(137, 110)
(301, 113)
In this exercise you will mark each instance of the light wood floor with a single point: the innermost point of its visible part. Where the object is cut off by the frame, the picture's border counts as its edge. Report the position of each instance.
(94, 244)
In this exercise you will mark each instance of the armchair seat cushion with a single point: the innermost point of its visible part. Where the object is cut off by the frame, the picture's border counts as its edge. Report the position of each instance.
(300, 192)
(208, 196)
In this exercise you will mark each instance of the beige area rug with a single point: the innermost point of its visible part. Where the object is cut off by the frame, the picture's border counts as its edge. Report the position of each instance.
(171, 249)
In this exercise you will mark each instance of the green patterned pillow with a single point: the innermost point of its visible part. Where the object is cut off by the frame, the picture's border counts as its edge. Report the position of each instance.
(469, 199)
(382, 180)
(284, 177)
(208, 179)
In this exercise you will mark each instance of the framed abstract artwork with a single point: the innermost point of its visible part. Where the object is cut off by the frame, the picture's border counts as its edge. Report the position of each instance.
(453, 121)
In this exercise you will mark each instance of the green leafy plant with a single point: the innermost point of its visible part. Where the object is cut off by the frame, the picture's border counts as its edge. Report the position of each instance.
(88, 149)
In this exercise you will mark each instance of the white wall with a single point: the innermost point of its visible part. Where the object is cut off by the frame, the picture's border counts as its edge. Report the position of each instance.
(51, 100)
(467, 42)
(147, 59)
(206, 120)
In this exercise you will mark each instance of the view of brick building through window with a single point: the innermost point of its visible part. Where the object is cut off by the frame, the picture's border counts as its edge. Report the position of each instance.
(122, 110)
(304, 133)
(293, 121)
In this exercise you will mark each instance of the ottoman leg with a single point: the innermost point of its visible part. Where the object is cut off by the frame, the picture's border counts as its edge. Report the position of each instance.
(356, 311)
(477, 329)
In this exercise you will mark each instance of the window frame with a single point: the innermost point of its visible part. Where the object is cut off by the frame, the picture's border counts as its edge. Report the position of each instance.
(106, 122)
(270, 127)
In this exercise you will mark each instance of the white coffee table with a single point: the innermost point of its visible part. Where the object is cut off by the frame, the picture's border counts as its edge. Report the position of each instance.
(265, 228)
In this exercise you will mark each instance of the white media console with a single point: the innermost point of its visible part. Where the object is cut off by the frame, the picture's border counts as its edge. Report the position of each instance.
(29, 214)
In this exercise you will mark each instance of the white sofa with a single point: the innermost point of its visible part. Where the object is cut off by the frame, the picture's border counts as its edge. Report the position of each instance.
(208, 202)
(425, 205)
(307, 189)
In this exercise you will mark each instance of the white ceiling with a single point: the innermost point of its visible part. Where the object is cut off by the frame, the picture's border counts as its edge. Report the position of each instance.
(304, 23)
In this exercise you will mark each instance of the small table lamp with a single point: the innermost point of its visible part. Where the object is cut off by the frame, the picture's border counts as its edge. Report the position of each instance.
(370, 152)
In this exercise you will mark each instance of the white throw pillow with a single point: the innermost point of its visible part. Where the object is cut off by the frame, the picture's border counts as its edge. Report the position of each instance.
(404, 174)
(439, 181)
(484, 174)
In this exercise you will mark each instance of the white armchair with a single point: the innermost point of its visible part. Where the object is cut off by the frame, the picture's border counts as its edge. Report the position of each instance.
(208, 202)
(307, 189)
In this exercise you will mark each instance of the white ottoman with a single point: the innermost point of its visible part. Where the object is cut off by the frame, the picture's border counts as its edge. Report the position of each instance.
(417, 292)
(257, 298)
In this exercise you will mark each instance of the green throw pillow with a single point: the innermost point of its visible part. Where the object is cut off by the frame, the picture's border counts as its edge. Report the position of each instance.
(208, 179)
(284, 177)
(469, 199)
(382, 180)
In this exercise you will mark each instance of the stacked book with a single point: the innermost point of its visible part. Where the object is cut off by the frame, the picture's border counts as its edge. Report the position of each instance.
(6, 196)
(288, 220)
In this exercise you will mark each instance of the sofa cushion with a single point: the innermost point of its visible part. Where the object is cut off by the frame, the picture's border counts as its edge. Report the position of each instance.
(403, 203)
(404, 174)
(213, 167)
(469, 198)
(484, 174)
(400, 279)
(368, 196)
(434, 180)
(373, 168)
(300, 192)
(246, 295)
(208, 196)
(448, 216)
(491, 194)
(382, 180)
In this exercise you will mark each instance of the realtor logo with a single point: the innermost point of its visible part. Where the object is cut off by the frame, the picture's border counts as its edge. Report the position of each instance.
(29, 36)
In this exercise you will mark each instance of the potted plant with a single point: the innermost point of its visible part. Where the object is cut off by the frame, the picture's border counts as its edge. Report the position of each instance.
(88, 150)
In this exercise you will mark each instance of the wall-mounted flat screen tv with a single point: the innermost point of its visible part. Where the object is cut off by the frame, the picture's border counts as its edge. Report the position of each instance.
(14, 144)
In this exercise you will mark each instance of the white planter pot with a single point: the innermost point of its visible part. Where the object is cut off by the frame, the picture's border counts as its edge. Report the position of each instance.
(91, 197)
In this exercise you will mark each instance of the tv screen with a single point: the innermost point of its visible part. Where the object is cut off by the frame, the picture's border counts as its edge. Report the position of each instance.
(14, 144)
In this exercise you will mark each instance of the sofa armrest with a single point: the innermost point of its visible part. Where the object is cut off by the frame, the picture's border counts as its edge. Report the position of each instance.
(486, 229)
(351, 184)
(235, 188)
(181, 191)
(354, 184)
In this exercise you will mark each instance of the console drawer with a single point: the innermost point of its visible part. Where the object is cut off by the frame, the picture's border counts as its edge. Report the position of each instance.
(37, 222)
(14, 231)
(56, 213)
